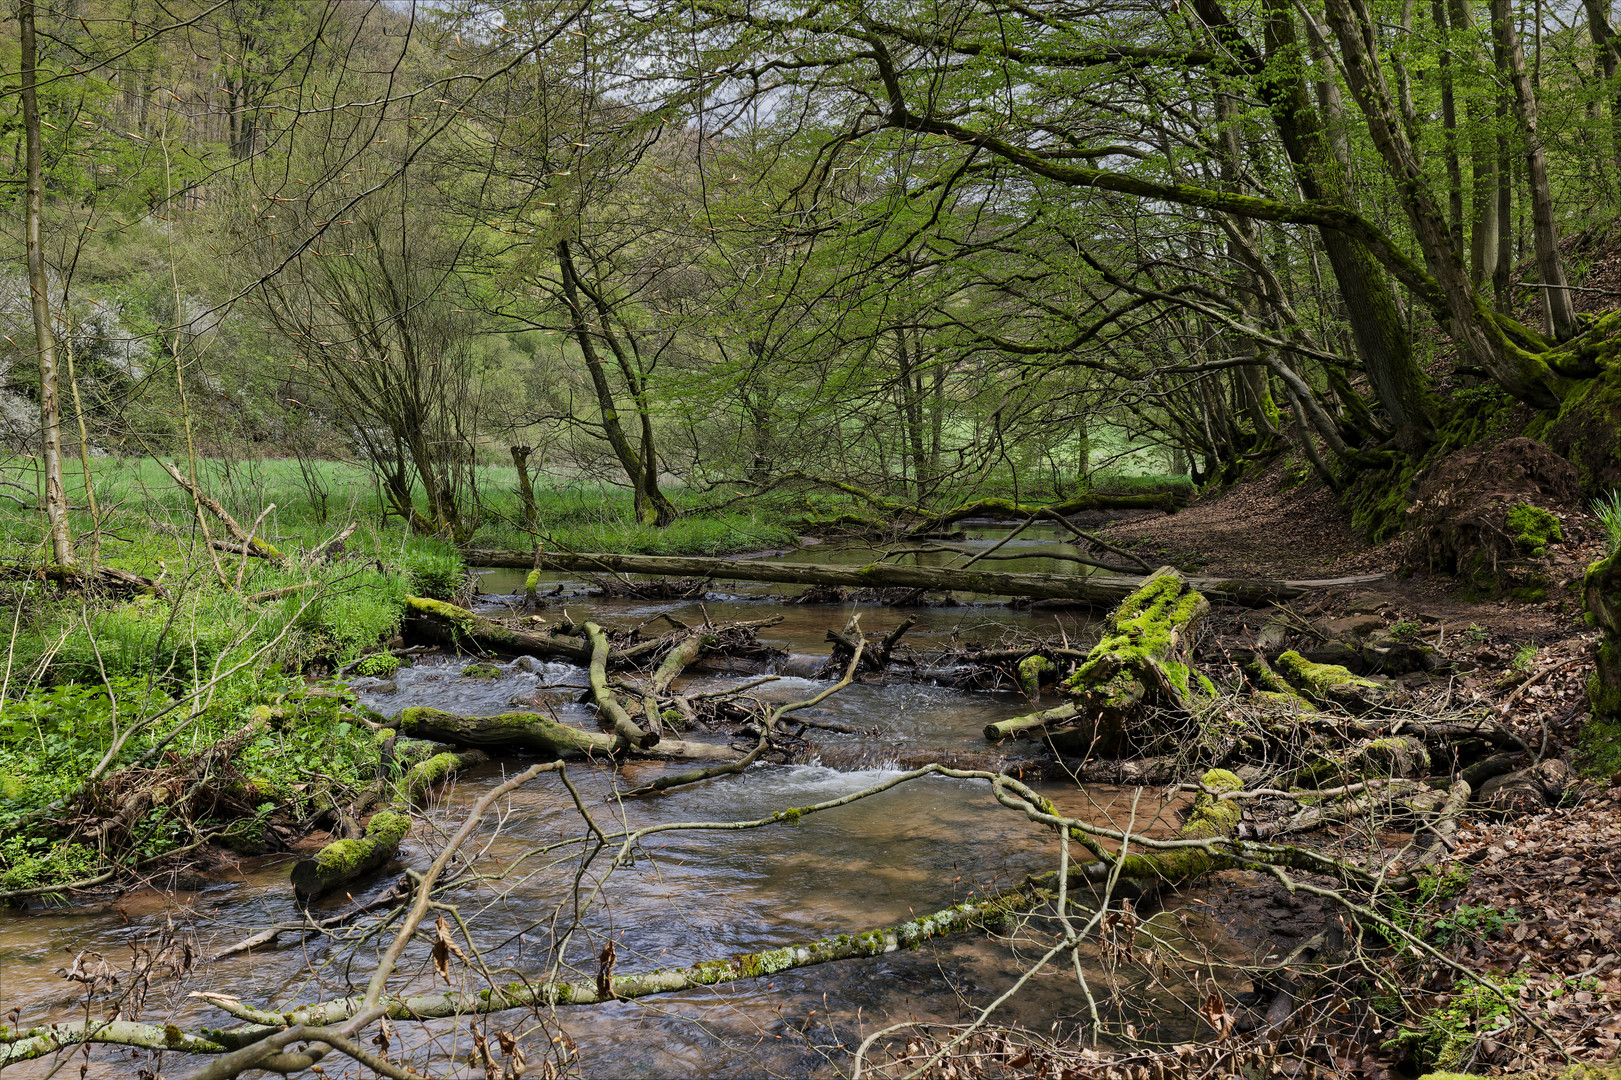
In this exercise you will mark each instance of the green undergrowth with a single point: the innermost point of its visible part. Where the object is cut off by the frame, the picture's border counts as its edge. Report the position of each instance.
(1598, 750)
(305, 747)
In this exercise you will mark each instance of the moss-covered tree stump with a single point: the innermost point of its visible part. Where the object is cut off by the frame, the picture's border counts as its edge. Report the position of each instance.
(345, 860)
(1601, 595)
(1141, 664)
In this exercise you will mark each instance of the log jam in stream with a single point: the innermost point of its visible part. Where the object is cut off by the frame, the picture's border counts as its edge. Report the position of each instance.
(699, 897)
(692, 897)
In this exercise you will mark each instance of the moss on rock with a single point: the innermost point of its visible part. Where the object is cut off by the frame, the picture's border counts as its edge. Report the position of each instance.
(481, 671)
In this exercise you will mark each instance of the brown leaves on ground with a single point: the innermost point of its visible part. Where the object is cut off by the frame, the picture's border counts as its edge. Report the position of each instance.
(1560, 873)
(1269, 527)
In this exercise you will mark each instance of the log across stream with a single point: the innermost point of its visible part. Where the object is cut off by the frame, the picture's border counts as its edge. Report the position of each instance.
(702, 895)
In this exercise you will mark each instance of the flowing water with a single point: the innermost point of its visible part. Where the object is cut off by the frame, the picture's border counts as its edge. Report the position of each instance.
(687, 897)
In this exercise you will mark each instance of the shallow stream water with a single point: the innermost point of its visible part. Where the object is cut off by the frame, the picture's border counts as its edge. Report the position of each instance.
(689, 896)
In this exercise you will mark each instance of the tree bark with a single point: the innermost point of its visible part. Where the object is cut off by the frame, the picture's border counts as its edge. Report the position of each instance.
(1556, 302)
(538, 734)
(50, 411)
(1101, 589)
(526, 486)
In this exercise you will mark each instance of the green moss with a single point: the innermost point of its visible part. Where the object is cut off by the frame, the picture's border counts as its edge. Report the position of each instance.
(481, 671)
(385, 831)
(1144, 629)
(1598, 747)
(428, 773)
(378, 666)
(1031, 671)
(1533, 529)
(1322, 683)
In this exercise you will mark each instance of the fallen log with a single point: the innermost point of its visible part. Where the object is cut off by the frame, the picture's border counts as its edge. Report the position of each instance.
(110, 578)
(345, 860)
(436, 770)
(459, 628)
(538, 734)
(247, 543)
(608, 705)
(1141, 663)
(1103, 590)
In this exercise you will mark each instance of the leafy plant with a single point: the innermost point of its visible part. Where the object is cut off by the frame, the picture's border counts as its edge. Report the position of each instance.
(1607, 508)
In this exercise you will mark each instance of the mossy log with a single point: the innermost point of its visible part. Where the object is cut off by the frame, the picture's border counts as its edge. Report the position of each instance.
(1141, 663)
(608, 705)
(1389, 758)
(536, 734)
(459, 628)
(1211, 818)
(110, 578)
(1102, 590)
(436, 770)
(1029, 722)
(345, 860)
(24, 1044)
(1329, 684)
(687, 650)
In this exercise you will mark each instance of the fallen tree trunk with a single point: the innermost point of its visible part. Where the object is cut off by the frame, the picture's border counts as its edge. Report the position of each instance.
(608, 705)
(1141, 663)
(345, 860)
(459, 628)
(245, 540)
(78, 577)
(436, 770)
(1104, 590)
(1007, 509)
(540, 735)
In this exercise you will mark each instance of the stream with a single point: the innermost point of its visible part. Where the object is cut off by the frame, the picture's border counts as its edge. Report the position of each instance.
(690, 896)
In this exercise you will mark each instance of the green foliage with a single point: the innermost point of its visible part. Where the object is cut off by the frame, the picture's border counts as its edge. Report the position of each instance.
(1533, 529)
(1441, 1037)
(1607, 508)
(435, 570)
(378, 666)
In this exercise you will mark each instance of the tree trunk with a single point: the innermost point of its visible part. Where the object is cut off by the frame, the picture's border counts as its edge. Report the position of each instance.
(1477, 335)
(1376, 322)
(1482, 157)
(1556, 302)
(652, 507)
(50, 412)
(1449, 126)
(536, 734)
(1604, 40)
(1101, 589)
(526, 486)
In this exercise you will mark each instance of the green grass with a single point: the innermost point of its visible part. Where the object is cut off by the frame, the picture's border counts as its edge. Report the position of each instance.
(1608, 510)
